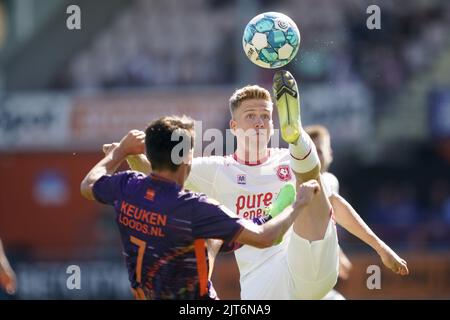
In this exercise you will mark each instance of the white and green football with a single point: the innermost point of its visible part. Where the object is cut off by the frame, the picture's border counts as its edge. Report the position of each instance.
(271, 40)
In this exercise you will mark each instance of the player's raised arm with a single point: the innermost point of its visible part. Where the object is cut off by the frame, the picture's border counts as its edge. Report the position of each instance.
(266, 235)
(132, 143)
(137, 162)
(348, 218)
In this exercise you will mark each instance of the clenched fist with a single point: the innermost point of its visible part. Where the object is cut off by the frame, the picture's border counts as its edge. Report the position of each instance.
(306, 192)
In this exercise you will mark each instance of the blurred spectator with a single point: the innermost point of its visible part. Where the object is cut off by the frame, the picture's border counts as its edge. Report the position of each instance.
(395, 205)
(435, 231)
(394, 213)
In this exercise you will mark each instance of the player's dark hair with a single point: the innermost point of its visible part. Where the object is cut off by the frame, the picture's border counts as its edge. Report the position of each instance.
(167, 141)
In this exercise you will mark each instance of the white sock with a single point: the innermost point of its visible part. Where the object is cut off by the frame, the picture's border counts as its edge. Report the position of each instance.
(304, 155)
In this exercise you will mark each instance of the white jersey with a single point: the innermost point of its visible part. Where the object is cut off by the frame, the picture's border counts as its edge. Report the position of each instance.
(331, 181)
(246, 190)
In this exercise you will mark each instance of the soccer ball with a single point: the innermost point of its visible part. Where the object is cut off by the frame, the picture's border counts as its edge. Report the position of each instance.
(271, 40)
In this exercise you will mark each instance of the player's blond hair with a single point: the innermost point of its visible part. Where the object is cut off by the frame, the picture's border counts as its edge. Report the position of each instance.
(317, 131)
(246, 93)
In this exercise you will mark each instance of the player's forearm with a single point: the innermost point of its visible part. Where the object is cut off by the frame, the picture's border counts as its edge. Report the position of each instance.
(2, 253)
(350, 220)
(139, 162)
(4, 263)
(3, 260)
(264, 236)
(108, 165)
(275, 228)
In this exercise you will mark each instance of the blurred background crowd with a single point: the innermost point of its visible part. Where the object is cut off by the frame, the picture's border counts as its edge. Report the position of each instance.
(384, 95)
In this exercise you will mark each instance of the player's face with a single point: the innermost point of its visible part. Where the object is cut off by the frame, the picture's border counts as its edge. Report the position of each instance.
(252, 122)
(324, 151)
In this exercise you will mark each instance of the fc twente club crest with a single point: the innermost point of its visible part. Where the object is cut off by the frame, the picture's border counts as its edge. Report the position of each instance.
(284, 173)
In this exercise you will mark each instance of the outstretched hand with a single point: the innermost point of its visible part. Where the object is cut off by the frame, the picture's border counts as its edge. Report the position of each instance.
(393, 261)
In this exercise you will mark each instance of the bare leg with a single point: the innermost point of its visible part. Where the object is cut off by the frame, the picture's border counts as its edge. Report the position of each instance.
(312, 223)
(312, 253)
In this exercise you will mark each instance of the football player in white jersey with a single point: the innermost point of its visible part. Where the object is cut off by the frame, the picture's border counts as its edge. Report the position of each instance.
(305, 264)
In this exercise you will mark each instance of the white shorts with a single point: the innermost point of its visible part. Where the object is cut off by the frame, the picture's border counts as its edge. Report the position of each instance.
(333, 295)
(302, 270)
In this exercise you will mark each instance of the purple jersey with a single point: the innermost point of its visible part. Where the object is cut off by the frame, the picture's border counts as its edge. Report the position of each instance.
(163, 230)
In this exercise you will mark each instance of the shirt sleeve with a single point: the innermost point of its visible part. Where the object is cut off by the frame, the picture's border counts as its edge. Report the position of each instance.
(335, 184)
(110, 188)
(202, 175)
(330, 183)
(212, 220)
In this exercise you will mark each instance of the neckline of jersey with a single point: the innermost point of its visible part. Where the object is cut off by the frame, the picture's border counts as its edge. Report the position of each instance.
(252, 164)
(154, 176)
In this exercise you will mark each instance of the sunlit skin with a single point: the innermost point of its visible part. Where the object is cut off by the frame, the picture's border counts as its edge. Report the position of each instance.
(389, 258)
(252, 124)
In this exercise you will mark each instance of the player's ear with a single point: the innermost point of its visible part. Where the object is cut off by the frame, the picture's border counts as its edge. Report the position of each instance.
(233, 126)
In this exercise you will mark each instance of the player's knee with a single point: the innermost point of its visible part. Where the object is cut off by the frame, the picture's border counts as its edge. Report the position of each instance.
(316, 290)
(325, 287)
